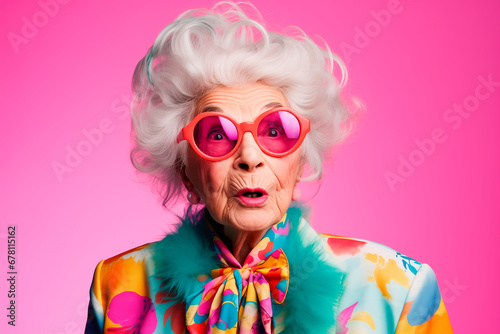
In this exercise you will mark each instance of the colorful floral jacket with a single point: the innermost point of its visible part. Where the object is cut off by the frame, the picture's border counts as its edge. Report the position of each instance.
(294, 281)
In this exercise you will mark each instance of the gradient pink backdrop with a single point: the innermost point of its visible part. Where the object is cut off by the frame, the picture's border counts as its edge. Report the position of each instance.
(73, 73)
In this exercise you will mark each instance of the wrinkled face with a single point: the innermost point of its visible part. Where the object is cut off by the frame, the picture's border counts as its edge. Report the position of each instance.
(250, 190)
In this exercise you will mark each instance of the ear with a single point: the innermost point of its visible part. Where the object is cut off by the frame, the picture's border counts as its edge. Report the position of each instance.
(300, 171)
(192, 195)
(185, 179)
(296, 191)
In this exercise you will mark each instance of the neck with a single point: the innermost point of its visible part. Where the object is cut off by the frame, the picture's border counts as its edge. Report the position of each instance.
(242, 242)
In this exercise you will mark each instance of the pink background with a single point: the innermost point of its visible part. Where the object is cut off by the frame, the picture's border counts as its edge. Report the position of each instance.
(73, 73)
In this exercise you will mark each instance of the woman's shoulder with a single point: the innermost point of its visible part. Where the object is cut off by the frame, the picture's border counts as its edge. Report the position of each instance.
(136, 252)
(370, 265)
(370, 253)
(128, 270)
(382, 283)
(127, 260)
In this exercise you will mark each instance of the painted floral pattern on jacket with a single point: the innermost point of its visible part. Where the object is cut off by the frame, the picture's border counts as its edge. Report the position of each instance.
(384, 292)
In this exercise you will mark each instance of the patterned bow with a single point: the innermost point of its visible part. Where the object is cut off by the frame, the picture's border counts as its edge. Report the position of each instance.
(238, 298)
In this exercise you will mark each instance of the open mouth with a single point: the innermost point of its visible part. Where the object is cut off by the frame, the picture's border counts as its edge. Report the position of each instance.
(252, 197)
(252, 194)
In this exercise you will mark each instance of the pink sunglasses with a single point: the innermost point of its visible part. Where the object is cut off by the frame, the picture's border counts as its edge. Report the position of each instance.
(215, 136)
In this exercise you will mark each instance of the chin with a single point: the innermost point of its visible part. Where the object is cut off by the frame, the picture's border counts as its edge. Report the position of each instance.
(253, 219)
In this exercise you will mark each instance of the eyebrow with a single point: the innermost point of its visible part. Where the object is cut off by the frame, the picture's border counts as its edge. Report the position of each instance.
(272, 105)
(211, 108)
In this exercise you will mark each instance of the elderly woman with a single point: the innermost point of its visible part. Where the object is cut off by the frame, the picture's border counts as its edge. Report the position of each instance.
(229, 115)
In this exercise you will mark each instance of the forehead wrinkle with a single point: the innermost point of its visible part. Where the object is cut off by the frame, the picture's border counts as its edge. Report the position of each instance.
(242, 103)
(244, 94)
(220, 110)
(223, 98)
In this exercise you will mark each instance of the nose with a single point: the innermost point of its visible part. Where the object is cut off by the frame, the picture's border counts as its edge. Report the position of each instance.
(249, 157)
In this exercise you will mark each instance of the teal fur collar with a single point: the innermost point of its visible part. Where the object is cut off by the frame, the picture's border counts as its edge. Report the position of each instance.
(315, 285)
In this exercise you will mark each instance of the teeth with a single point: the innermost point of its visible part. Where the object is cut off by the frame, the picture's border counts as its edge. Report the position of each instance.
(252, 195)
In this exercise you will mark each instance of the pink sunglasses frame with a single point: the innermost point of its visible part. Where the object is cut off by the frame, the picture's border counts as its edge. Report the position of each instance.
(187, 132)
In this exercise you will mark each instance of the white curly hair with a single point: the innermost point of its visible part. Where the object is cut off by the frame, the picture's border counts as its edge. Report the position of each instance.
(203, 49)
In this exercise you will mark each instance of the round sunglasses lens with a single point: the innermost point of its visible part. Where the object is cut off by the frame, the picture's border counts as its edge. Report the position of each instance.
(215, 136)
(279, 131)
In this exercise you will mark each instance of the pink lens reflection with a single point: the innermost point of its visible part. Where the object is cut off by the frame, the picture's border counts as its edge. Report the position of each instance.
(278, 132)
(290, 124)
(215, 136)
(229, 128)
